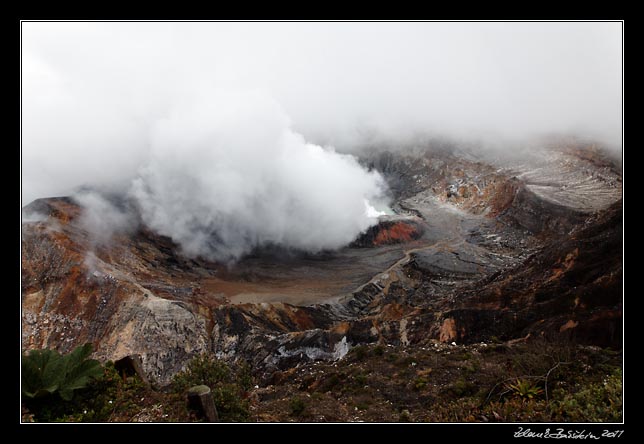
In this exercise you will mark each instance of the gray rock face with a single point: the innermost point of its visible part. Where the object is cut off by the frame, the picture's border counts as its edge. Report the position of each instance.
(165, 334)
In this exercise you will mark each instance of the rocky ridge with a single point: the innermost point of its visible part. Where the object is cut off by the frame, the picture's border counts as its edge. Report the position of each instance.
(477, 252)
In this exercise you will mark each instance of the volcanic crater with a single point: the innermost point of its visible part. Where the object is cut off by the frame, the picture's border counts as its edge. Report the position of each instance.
(476, 249)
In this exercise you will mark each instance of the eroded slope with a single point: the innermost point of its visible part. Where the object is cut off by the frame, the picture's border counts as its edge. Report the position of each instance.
(477, 251)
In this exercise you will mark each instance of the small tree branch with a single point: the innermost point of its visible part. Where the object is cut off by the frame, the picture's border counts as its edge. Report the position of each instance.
(548, 375)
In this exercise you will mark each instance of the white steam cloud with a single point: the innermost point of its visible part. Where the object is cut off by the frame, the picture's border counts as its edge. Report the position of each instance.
(228, 175)
(216, 129)
(101, 218)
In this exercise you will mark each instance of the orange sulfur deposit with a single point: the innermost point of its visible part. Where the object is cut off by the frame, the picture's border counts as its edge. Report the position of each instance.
(397, 233)
(389, 232)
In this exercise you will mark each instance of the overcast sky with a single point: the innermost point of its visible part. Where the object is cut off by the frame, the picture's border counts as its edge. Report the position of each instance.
(229, 136)
(93, 93)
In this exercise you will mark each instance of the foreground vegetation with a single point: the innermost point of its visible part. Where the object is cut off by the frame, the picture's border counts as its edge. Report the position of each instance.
(112, 397)
(525, 382)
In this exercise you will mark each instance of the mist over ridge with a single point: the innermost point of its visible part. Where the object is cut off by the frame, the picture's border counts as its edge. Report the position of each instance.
(231, 129)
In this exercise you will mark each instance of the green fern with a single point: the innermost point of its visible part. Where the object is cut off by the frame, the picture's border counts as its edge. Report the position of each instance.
(525, 389)
(45, 372)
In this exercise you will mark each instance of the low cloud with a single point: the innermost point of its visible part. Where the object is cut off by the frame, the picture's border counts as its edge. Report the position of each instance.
(234, 135)
(102, 219)
(231, 175)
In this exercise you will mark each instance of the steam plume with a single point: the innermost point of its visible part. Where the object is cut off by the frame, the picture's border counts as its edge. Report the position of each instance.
(217, 130)
(230, 175)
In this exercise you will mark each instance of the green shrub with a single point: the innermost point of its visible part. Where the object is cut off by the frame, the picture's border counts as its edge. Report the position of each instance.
(46, 372)
(391, 357)
(420, 383)
(106, 398)
(599, 402)
(472, 367)
(405, 361)
(462, 388)
(360, 352)
(363, 405)
(297, 406)
(361, 378)
(330, 382)
(244, 375)
(202, 369)
(227, 383)
(230, 404)
(404, 416)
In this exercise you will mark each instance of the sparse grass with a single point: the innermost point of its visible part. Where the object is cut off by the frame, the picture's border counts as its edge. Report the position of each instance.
(363, 405)
(406, 361)
(391, 357)
(468, 385)
(359, 352)
(462, 388)
(404, 416)
(420, 383)
(598, 402)
(297, 406)
(473, 366)
(360, 378)
(329, 383)
(475, 385)
(461, 356)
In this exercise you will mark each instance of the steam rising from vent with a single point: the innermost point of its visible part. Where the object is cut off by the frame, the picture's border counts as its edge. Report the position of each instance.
(101, 218)
(230, 175)
(154, 111)
(370, 210)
